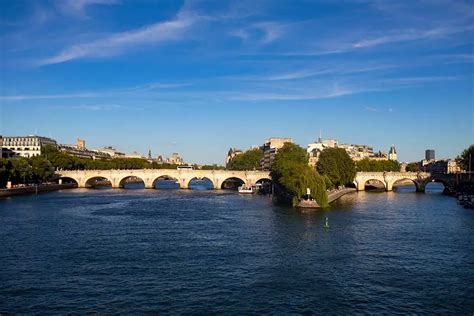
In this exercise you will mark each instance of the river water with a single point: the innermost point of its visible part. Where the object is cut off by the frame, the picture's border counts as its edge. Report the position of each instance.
(201, 252)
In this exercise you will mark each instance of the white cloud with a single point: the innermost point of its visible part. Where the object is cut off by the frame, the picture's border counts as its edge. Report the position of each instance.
(410, 35)
(117, 43)
(78, 7)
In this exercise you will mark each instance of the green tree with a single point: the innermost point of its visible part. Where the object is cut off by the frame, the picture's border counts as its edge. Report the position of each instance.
(292, 176)
(5, 171)
(367, 164)
(249, 160)
(21, 171)
(42, 169)
(466, 157)
(413, 167)
(336, 164)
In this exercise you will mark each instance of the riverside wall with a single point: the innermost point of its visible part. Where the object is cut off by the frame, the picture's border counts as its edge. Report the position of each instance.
(35, 189)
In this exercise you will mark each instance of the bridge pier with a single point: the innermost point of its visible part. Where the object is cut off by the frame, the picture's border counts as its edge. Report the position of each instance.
(184, 184)
(360, 186)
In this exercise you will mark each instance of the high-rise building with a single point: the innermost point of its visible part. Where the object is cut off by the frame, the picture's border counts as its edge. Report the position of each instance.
(430, 154)
(25, 146)
(270, 149)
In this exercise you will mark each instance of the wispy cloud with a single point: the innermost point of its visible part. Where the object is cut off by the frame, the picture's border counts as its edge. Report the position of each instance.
(90, 107)
(152, 86)
(158, 86)
(370, 109)
(48, 96)
(419, 80)
(410, 35)
(309, 73)
(117, 43)
(78, 7)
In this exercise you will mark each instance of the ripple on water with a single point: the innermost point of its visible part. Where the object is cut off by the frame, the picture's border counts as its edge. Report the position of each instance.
(202, 252)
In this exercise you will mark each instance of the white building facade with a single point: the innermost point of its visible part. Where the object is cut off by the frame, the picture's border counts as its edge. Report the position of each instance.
(25, 146)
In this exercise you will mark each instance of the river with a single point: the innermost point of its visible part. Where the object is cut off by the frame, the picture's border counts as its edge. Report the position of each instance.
(201, 252)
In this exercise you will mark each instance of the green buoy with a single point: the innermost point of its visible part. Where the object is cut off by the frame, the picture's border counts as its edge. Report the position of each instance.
(326, 225)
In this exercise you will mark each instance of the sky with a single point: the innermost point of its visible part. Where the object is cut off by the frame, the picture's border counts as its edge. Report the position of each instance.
(199, 77)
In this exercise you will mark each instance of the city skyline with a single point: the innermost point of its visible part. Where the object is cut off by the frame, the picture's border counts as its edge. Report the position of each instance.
(197, 78)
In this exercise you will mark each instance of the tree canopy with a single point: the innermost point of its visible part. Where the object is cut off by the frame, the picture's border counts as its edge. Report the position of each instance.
(463, 158)
(413, 167)
(377, 165)
(337, 166)
(292, 175)
(249, 160)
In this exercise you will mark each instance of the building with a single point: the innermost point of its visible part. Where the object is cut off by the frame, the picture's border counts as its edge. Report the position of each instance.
(134, 155)
(175, 159)
(79, 150)
(25, 146)
(315, 149)
(359, 152)
(270, 149)
(232, 153)
(355, 151)
(112, 152)
(392, 154)
(430, 154)
(80, 144)
(440, 166)
(1, 146)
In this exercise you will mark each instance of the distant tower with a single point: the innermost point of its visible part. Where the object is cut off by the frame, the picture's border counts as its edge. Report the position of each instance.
(80, 144)
(430, 154)
(392, 154)
(149, 154)
(320, 139)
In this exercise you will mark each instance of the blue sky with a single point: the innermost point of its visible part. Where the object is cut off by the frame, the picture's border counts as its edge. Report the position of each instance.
(197, 77)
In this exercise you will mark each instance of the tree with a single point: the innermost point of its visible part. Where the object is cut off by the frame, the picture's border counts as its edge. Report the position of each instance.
(249, 160)
(5, 171)
(21, 171)
(292, 176)
(336, 164)
(413, 167)
(42, 169)
(367, 164)
(466, 157)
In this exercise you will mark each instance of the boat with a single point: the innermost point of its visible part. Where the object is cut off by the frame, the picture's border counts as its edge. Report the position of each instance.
(246, 190)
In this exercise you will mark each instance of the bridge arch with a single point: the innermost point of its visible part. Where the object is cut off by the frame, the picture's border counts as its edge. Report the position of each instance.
(131, 179)
(374, 182)
(98, 182)
(406, 182)
(66, 179)
(232, 183)
(430, 185)
(201, 183)
(165, 182)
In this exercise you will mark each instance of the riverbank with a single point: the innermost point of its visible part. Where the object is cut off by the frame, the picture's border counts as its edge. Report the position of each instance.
(336, 194)
(36, 189)
(332, 196)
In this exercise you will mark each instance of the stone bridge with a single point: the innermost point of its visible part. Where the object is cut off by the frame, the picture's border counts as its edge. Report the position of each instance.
(389, 179)
(117, 178)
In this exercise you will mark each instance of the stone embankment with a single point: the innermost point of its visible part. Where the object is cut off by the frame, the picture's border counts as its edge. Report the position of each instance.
(35, 189)
(332, 196)
(336, 194)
